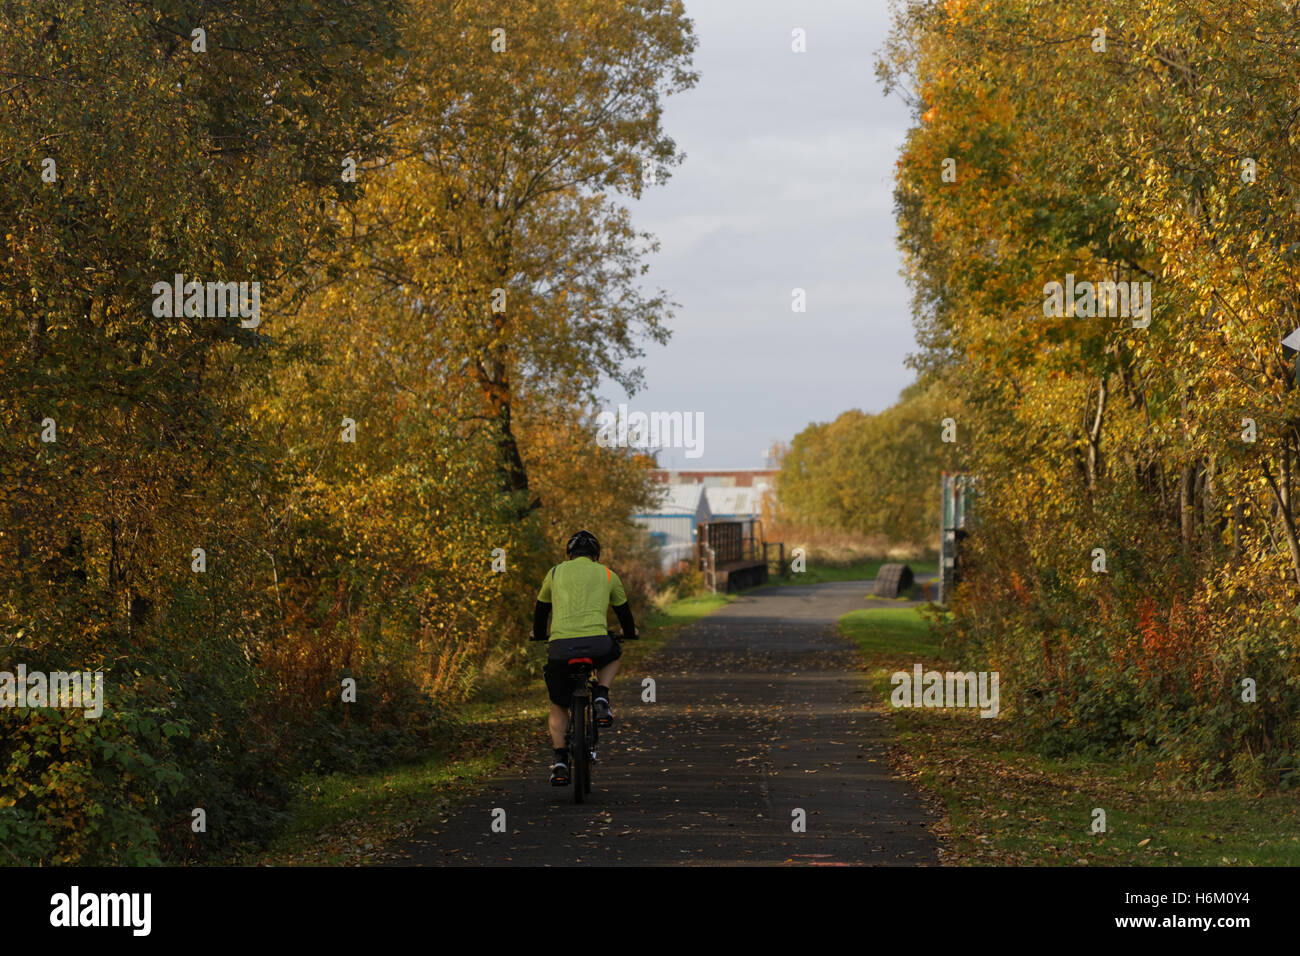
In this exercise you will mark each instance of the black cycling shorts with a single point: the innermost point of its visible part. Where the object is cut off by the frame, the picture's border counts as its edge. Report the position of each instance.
(602, 649)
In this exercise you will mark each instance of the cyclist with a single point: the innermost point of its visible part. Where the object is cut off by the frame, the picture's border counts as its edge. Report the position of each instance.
(577, 593)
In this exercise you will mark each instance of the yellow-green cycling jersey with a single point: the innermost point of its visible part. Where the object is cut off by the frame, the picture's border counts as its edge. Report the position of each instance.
(580, 591)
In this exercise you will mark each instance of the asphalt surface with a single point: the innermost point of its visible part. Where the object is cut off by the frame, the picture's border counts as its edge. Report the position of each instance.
(759, 712)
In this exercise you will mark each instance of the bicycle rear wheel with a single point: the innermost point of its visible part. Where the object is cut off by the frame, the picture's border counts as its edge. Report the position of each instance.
(579, 751)
(591, 744)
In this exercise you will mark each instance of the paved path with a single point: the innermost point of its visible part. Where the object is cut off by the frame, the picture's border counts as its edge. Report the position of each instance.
(759, 712)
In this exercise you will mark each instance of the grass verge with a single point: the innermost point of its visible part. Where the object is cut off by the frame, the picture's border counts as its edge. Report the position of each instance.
(354, 819)
(1005, 805)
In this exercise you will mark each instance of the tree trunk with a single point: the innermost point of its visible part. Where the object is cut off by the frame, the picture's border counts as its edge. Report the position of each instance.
(497, 388)
(1288, 524)
(1212, 520)
(1162, 485)
(1094, 437)
(1236, 532)
(510, 462)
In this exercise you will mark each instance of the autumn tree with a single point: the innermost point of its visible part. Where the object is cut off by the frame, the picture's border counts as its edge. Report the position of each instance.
(140, 141)
(496, 223)
(362, 479)
(1137, 553)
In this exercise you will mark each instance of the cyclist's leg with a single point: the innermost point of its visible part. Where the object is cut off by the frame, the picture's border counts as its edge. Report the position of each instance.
(607, 663)
(559, 723)
(607, 667)
(606, 674)
(558, 690)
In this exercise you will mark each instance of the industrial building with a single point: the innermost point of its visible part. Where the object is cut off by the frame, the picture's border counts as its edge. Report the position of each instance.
(674, 523)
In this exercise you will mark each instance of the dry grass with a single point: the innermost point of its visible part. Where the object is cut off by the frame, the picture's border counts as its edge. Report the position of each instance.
(845, 547)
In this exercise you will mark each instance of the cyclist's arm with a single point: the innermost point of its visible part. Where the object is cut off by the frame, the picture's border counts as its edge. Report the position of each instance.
(624, 614)
(541, 613)
(622, 610)
(542, 610)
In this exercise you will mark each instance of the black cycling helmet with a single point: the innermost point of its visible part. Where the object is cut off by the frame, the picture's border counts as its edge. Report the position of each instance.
(584, 542)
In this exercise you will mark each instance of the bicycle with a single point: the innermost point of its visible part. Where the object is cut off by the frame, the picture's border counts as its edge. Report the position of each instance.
(582, 720)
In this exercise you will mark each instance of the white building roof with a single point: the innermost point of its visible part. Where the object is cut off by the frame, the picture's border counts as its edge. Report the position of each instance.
(684, 500)
(735, 501)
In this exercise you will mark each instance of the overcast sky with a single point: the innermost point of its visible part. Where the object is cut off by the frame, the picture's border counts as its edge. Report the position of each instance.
(788, 182)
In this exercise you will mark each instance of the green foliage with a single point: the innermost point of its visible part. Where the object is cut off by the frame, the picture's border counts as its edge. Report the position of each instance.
(78, 790)
(393, 722)
(685, 582)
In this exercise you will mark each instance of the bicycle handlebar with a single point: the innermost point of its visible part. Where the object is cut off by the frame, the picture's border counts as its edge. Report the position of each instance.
(616, 635)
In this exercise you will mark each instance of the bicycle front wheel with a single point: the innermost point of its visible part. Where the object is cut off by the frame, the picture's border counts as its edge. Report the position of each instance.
(579, 751)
